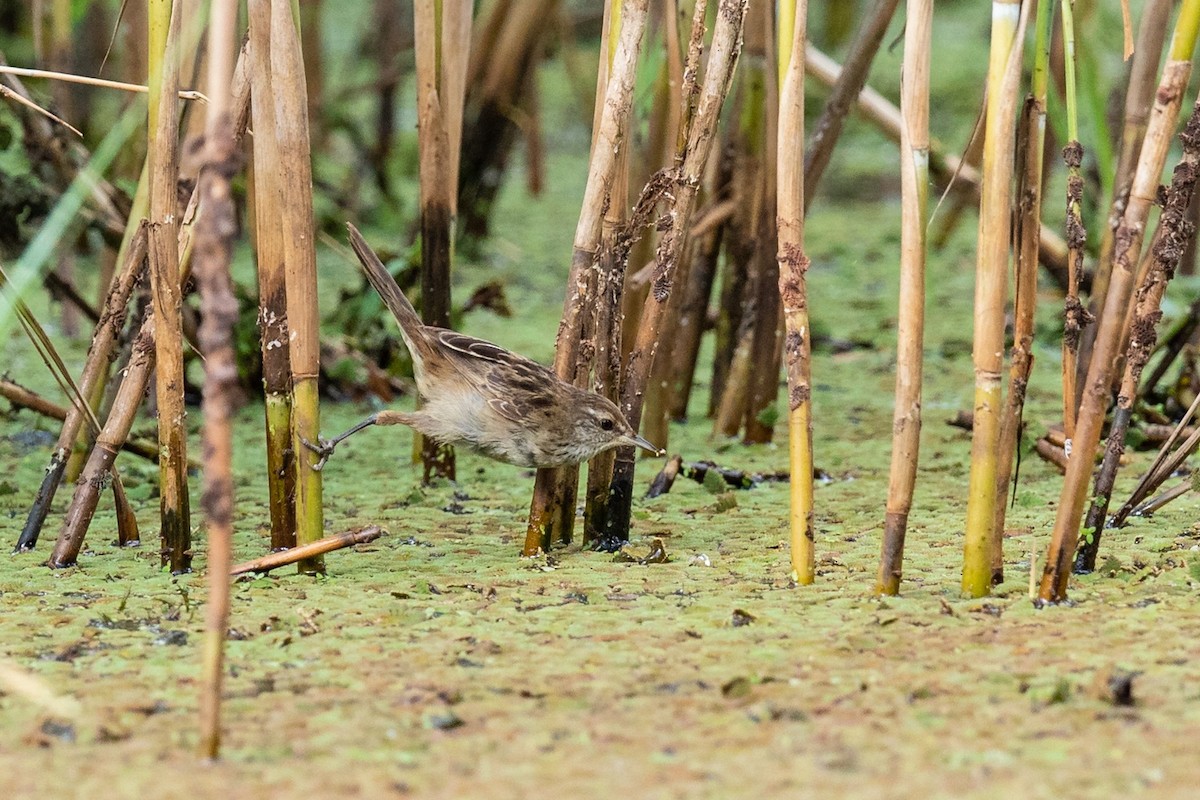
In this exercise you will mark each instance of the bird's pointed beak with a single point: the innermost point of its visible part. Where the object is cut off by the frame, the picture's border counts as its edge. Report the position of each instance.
(638, 441)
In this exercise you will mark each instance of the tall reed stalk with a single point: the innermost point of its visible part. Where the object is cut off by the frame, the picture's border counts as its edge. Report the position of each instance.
(1031, 140)
(270, 249)
(1074, 316)
(441, 65)
(552, 510)
(914, 198)
(165, 286)
(793, 264)
(991, 289)
(610, 283)
(696, 135)
(1139, 98)
(295, 167)
(1129, 238)
(214, 246)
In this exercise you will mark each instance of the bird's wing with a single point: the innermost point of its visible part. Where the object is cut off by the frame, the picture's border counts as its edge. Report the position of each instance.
(506, 408)
(517, 388)
(483, 356)
(473, 348)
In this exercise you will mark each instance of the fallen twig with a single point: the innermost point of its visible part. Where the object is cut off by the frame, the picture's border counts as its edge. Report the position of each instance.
(1053, 453)
(21, 397)
(665, 479)
(319, 547)
(1150, 506)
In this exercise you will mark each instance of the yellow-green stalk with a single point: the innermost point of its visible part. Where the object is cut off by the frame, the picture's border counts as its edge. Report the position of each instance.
(271, 261)
(793, 265)
(991, 289)
(1028, 219)
(295, 166)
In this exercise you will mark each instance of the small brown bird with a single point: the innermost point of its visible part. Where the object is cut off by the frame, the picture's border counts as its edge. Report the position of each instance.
(479, 395)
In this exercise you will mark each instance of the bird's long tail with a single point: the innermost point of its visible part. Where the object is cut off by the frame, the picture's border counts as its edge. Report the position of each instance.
(389, 290)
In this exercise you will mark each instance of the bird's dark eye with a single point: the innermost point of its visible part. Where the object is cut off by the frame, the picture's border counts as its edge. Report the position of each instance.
(606, 424)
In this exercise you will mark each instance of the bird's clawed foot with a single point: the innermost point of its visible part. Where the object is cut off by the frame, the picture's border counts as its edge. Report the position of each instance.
(323, 448)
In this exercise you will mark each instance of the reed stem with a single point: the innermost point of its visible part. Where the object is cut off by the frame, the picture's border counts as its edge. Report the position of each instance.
(793, 264)
(914, 188)
(991, 289)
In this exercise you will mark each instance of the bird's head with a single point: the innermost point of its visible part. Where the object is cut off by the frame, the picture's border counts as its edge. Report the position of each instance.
(600, 426)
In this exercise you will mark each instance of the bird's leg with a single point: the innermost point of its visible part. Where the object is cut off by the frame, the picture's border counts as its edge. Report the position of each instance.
(324, 447)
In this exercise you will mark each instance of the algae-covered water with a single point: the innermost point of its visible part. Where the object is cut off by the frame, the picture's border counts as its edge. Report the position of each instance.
(435, 662)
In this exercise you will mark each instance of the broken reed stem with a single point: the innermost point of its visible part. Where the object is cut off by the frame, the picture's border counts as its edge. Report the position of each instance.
(1139, 98)
(914, 189)
(1129, 239)
(991, 289)
(552, 509)
(295, 174)
(1174, 232)
(846, 89)
(21, 397)
(793, 265)
(98, 468)
(136, 376)
(685, 177)
(269, 237)
(88, 80)
(317, 548)
(436, 193)
(95, 367)
(1031, 139)
(1172, 494)
(1074, 316)
(165, 286)
(214, 248)
(1164, 465)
